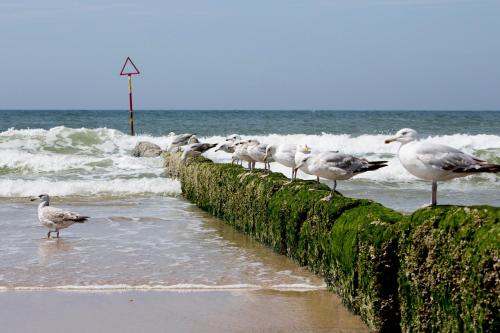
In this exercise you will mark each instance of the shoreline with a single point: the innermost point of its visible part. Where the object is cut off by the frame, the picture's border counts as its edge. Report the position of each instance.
(176, 311)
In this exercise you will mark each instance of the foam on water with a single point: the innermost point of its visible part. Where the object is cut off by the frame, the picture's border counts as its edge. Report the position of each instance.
(66, 161)
(175, 287)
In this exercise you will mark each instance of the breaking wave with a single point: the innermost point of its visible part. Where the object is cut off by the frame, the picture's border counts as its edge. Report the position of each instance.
(66, 161)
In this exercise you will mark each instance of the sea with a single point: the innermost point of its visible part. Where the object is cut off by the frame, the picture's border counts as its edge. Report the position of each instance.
(143, 235)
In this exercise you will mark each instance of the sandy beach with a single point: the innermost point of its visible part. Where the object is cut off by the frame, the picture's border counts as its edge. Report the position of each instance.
(174, 311)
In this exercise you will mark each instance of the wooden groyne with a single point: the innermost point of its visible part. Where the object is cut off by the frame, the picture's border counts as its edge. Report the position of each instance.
(437, 269)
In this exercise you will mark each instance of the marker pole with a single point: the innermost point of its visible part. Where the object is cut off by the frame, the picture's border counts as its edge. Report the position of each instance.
(130, 103)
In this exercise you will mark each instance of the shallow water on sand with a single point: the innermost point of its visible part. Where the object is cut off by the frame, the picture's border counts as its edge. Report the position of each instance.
(153, 264)
(141, 243)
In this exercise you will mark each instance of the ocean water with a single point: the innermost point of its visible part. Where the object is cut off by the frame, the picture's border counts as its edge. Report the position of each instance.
(87, 153)
(143, 235)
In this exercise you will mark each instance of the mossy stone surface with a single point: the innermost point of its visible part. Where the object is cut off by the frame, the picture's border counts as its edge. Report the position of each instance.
(449, 278)
(434, 270)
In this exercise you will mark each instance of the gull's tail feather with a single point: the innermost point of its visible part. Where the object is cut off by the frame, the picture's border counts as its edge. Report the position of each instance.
(377, 162)
(372, 166)
(491, 168)
(81, 219)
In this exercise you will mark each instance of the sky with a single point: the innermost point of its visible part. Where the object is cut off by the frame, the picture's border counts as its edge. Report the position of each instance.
(258, 54)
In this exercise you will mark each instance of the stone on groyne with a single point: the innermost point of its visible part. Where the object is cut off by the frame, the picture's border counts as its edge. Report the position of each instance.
(434, 270)
(146, 149)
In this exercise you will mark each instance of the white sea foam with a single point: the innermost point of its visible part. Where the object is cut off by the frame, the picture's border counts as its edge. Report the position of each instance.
(84, 161)
(24, 188)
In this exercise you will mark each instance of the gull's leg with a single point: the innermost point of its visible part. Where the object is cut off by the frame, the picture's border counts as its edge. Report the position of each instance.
(434, 193)
(330, 196)
(317, 181)
(48, 234)
(57, 233)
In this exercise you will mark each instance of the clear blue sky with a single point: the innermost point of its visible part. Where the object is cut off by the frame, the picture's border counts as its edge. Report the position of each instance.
(258, 54)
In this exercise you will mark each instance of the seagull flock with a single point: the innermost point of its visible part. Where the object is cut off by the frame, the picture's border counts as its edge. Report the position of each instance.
(425, 160)
(428, 161)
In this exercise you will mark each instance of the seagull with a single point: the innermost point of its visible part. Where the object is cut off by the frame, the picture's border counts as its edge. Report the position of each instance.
(436, 162)
(337, 166)
(241, 151)
(56, 218)
(196, 149)
(283, 154)
(181, 140)
(258, 153)
(227, 147)
(302, 152)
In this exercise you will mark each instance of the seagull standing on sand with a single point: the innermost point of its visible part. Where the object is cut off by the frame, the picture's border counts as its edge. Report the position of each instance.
(283, 154)
(196, 149)
(337, 166)
(435, 162)
(182, 140)
(55, 218)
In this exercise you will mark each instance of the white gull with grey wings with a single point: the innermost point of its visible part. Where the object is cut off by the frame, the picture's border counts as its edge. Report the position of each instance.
(337, 166)
(435, 162)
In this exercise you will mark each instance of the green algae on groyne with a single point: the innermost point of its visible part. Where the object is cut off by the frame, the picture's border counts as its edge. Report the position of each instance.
(434, 270)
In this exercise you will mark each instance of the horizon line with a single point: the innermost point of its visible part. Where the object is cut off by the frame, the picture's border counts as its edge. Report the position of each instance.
(258, 109)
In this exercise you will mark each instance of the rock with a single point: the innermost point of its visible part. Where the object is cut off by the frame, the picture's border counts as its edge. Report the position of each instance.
(146, 149)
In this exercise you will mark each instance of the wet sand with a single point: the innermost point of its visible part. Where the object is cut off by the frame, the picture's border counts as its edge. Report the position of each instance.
(168, 311)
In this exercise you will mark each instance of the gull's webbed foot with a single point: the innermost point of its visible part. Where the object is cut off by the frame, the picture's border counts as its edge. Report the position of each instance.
(328, 198)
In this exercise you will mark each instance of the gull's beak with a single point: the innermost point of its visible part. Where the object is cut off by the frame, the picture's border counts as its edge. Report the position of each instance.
(297, 167)
(217, 149)
(391, 139)
(33, 199)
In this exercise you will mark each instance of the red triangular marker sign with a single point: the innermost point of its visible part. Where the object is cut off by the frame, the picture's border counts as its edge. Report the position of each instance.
(129, 68)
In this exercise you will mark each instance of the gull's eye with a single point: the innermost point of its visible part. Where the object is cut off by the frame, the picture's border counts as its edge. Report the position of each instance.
(404, 133)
